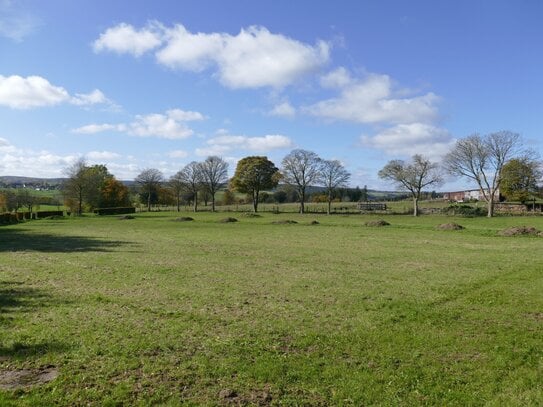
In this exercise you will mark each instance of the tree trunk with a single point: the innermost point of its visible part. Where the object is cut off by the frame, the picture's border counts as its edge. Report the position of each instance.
(178, 204)
(255, 202)
(212, 202)
(196, 202)
(329, 204)
(149, 201)
(415, 206)
(490, 212)
(302, 200)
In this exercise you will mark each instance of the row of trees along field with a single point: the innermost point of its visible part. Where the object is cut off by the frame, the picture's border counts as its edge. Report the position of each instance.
(301, 169)
(496, 163)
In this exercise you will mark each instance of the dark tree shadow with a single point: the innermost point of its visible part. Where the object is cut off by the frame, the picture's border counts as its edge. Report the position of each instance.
(16, 240)
(16, 299)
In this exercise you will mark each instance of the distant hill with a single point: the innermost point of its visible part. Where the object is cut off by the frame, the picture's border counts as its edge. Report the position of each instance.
(34, 181)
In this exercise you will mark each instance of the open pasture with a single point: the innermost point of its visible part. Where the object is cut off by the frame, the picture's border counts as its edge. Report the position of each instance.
(156, 311)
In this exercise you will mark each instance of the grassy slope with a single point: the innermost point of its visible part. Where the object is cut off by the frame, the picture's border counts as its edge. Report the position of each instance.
(155, 311)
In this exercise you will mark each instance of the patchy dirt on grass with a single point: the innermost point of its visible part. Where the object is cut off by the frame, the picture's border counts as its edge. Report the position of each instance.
(450, 226)
(260, 397)
(521, 231)
(228, 220)
(184, 219)
(284, 222)
(24, 378)
(377, 223)
(314, 222)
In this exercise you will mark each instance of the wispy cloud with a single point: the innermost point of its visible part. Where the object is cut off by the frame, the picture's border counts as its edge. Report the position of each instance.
(169, 125)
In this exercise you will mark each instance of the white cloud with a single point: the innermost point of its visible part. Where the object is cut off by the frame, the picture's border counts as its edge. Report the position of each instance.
(33, 91)
(178, 154)
(223, 144)
(284, 109)
(18, 92)
(373, 100)
(410, 139)
(170, 125)
(125, 39)
(338, 78)
(253, 58)
(92, 98)
(102, 155)
(96, 128)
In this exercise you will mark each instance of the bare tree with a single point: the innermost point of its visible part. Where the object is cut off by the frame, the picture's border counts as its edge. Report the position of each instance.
(333, 175)
(177, 186)
(149, 180)
(214, 174)
(481, 159)
(412, 176)
(191, 177)
(300, 169)
(74, 188)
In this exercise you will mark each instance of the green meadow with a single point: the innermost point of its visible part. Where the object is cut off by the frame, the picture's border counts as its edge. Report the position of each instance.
(153, 311)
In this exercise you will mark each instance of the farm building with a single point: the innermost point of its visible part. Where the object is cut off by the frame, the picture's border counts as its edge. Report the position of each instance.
(466, 196)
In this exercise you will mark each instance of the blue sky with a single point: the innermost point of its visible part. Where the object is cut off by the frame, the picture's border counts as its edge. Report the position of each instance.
(138, 84)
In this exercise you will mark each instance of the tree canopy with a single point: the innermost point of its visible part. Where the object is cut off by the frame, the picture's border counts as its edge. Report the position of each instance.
(253, 175)
(412, 176)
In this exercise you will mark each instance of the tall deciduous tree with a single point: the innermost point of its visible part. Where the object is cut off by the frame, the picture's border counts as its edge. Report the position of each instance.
(300, 169)
(114, 194)
(481, 159)
(253, 175)
(75, 186)
(333, 175)
(214, 174)
(191, 177)
(177, 187)
(412, 176)
(149, 180)
(519, 178)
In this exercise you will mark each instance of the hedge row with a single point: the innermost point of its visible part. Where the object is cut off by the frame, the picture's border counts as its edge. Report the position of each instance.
(115, 211)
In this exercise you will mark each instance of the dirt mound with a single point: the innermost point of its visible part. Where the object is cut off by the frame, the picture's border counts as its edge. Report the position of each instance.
(450, 226)
(228, 220)
(284, 222)
(252, 215)
(521, 231)
(184, 219)
(314, 222)
(126, 217)
(377, 223)
(25, 378)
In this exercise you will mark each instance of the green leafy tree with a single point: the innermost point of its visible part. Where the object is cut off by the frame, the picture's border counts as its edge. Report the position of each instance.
(253, 175)
(412, 176)
(519, 178)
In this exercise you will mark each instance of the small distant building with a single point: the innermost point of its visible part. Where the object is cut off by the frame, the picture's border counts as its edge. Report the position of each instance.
(469, 195)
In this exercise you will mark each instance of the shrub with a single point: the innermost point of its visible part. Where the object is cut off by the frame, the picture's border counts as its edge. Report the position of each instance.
(115, 211)
(465, 210)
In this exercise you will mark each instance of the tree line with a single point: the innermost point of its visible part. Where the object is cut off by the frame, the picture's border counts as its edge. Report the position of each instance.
(300, 170)
(496, 163)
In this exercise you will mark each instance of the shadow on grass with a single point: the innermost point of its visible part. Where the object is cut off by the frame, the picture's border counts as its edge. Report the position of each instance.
(16, 299)
(17, 240)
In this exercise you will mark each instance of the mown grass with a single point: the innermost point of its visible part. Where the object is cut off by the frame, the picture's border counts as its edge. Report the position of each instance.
(153, 311)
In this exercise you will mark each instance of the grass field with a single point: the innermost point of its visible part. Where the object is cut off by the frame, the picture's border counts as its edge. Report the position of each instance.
(153, 311)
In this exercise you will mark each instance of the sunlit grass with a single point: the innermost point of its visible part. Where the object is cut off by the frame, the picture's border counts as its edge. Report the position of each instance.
(152, 310)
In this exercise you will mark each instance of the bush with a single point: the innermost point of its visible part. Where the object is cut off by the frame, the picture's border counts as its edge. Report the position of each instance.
(115, 211)
(46, 214)
(465, 210)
